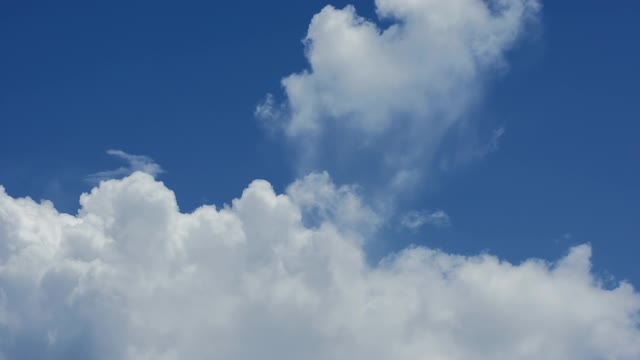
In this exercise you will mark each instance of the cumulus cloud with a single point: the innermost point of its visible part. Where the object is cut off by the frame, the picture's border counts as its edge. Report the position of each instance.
(416, 219)
(135, 163)
(132, 277)
(388, 97)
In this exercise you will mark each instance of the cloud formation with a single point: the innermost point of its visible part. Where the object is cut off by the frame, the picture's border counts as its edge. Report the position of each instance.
(141, 163)
(387, 98)
(285, 276)
(131, 277)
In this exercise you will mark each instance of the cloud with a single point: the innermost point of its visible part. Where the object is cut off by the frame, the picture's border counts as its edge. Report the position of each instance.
(131, 277)
(135, 163)
(387, 98)
(270, 114)
(416, 219)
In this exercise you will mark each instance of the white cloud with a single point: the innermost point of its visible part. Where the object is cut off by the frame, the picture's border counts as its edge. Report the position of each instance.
(141, 163)
(131, 277)
(416, 219)
(390, 96)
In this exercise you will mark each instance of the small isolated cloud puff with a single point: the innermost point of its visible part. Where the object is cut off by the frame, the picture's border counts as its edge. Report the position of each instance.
(135, 163)
(270, 114)
(395, 92)
(131, 277)
(416, 219)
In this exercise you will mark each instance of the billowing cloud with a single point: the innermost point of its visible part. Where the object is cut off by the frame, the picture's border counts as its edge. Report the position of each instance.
(386, 98)
(132, 277)
(135, 163)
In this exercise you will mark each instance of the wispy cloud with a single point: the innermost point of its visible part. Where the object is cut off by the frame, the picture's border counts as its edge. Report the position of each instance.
(416, 219)
(495, 139)
(135, 163)
(473, 150)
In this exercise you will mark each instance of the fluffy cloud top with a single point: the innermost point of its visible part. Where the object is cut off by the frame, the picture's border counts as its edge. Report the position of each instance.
(131, 277)
(393, 94)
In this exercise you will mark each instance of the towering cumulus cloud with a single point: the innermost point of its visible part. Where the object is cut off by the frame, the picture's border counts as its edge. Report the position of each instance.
(131, 277)
(387, 98)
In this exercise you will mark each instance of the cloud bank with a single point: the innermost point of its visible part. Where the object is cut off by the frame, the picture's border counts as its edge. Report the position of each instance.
(132, 277)
(385, 99)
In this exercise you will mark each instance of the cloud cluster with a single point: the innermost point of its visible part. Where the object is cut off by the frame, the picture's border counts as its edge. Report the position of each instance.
(389, 97)
(131, 277)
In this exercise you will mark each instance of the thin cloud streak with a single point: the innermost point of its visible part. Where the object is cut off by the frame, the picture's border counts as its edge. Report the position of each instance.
(135, 163)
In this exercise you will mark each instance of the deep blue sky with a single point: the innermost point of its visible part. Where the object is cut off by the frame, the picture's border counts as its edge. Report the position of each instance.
(179, 82)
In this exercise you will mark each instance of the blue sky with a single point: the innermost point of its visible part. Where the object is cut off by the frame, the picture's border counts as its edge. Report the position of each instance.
(180, 83)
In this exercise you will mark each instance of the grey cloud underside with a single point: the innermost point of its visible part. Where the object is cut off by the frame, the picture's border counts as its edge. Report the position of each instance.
(131, 277)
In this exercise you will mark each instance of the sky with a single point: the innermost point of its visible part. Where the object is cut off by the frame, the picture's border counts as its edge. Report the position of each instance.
(345, 171)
